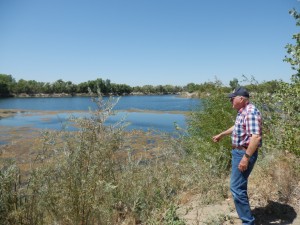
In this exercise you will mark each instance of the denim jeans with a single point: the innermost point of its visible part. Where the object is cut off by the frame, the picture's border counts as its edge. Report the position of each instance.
(238, 186)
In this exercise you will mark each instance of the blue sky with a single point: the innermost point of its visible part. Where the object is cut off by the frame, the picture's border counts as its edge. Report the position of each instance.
(139, 42)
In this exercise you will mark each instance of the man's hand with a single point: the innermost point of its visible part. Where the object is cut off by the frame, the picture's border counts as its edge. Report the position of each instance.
(243, 165)
(217, 138)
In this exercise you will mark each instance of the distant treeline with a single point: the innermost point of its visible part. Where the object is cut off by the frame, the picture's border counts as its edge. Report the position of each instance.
(10, 87)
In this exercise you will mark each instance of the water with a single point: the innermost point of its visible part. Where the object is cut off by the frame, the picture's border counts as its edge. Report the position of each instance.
(156, 102)
(138, 111)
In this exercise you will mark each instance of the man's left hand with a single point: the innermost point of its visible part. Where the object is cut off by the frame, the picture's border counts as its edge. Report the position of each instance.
(243, 165)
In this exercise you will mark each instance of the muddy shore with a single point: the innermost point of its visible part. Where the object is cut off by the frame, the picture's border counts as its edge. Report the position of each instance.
(22, 143)
(8, 112)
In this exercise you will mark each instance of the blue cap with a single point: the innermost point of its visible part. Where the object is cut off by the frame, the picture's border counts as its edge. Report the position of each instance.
(239, 91)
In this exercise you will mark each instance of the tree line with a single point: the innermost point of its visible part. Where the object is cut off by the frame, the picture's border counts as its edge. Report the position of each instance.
(9, 87)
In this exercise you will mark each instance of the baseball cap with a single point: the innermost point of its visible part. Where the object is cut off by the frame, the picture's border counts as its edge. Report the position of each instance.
(239, 91)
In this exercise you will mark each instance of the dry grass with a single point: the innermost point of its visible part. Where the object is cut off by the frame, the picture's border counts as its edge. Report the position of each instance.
(275, 178)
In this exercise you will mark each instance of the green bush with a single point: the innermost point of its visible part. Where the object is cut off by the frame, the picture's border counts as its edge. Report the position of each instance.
(214, 115)
(281, 118)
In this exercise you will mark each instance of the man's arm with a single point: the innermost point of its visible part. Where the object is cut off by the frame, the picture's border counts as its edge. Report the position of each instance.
(253, 144)
(252, 147)
(223, 134)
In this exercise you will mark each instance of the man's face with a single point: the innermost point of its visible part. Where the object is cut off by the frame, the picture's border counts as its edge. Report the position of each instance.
(237, 102)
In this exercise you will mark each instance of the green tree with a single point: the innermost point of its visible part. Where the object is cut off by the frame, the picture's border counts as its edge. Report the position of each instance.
(70, 88)
(234, 83)
(21, 86)
(59, 86)
(108, 85)
(159, 89)
(6, 84)
(99, 83)
(47, 88)
(137, 89)
(83, 87)
(147, 89)
(191, 87)
(33, 87)
(294, 50)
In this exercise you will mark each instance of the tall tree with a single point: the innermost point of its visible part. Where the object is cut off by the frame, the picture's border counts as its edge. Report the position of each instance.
(59, 86)
(294, 49)
(234, 83)
(6, 84)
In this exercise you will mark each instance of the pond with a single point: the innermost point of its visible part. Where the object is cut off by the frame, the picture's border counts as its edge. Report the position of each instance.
(158, 112)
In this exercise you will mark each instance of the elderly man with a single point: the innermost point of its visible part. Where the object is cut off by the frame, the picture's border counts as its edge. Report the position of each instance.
(246, 135)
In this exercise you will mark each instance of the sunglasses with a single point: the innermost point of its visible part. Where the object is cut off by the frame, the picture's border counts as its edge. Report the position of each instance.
(231, 99)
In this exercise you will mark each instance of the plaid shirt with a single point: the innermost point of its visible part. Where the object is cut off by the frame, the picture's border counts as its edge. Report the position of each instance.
(248, 122)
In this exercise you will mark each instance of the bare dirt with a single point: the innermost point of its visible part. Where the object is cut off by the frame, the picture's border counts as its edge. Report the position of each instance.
(224, 213)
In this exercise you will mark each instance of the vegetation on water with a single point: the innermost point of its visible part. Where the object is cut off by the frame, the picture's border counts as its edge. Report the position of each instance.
(93, 176)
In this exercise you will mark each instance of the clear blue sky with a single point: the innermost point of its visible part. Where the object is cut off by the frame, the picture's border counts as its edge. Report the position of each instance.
(140, 42)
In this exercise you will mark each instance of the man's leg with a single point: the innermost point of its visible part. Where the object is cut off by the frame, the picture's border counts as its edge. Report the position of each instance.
(238, 186)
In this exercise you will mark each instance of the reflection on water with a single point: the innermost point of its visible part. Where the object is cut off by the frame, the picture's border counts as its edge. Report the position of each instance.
(137, 120)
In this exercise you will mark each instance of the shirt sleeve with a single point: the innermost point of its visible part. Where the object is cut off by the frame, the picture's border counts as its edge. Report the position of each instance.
(253, 122)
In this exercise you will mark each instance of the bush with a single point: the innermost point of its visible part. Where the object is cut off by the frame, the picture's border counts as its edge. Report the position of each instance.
(281, 118)
(214, 116)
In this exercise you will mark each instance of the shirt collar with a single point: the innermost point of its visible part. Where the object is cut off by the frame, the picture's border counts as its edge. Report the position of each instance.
(242, 109)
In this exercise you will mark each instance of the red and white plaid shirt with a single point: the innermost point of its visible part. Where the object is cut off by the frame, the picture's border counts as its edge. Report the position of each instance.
(248, 122)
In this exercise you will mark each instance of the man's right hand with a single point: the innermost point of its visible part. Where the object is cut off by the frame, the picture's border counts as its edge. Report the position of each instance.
(217, 138)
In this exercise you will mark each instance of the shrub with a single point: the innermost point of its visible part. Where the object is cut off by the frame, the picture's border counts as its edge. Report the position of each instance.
(214, 116)
(281, 117)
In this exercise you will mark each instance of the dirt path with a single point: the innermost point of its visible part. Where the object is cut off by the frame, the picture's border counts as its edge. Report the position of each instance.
(224, 213)
(194, 214)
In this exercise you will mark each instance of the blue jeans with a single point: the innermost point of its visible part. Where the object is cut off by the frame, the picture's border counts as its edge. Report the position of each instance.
(238, 186)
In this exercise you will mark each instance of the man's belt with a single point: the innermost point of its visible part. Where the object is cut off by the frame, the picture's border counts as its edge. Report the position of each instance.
(239, 147)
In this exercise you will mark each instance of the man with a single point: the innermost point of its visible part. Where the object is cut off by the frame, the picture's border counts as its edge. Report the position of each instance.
(246, 136)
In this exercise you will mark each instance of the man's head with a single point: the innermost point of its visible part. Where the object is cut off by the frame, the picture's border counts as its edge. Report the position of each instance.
(239, 98)
(239, 91)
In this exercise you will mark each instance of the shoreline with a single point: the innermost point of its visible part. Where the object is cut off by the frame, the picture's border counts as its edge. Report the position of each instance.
(184, 94)
(4, 113)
